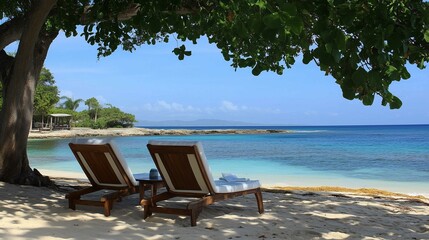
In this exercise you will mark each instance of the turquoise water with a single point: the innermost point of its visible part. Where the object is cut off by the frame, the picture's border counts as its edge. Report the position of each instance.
(394, 158)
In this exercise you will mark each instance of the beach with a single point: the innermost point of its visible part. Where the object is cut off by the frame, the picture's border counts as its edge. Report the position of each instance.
(28, 212)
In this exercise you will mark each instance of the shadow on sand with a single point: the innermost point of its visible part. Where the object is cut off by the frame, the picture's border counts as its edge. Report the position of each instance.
(39, 213)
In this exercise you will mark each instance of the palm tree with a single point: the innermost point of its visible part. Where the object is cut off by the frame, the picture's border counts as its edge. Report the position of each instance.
(69, 103)
(93, 107)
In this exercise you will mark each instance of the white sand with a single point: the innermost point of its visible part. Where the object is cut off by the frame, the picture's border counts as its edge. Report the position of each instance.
(62, 174)
(39, 213)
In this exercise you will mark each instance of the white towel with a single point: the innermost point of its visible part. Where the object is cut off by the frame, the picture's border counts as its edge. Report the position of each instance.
(229, 177)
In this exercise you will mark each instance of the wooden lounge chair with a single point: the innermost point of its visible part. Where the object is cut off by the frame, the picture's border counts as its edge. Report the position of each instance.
(185, 171)
(105, 169)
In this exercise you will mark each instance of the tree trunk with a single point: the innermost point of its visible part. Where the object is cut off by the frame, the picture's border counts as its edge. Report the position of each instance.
(43, 120)
(17, 110)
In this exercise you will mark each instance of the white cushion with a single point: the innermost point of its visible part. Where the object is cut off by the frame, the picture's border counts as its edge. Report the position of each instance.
(228, 187)
(99, 141)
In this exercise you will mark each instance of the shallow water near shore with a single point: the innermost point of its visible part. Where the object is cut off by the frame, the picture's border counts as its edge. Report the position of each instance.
(394, 158)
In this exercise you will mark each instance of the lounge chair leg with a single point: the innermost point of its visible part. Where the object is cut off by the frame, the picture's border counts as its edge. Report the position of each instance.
(147, 212)
(146, 208)
(194, 215)
(193, 220)
(196, 208)
(259, 200)
(72, 204)
(107, 207)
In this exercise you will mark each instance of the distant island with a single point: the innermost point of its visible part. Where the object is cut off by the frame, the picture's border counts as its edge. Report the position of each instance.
(196, 123)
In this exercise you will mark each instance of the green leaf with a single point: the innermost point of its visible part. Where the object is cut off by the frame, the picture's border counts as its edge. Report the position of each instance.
(389, 30)
(257, 70)
(336, 55)
(242, 30)
(290, 60)
(269, 34)
(405, 74)
(396, 103)
(176, 51)
(368, 99)
(340, 40)
(374, 80)
(242, 63)
(261, 4)
(328, 47)
(393, 73)
(307, 57)
(359, 77)
(290, 9)
(426, 35)
(348, 93)
(272, 20)
(421, 64)
(326, 59)
(296, 25)
(257, 25)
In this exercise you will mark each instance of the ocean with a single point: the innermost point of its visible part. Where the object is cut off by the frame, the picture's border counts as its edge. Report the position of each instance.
(388, 157)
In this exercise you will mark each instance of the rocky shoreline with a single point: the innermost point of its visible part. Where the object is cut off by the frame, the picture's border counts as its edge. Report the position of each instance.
(88, 132)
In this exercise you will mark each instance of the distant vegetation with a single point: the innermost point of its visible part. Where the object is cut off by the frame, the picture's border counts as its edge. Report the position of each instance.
(48, 101)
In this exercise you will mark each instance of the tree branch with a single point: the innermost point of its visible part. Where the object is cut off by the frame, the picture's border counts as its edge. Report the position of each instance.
(126, 14)
(132, 10)
(6, 63)
(41, 50)
(11, 31)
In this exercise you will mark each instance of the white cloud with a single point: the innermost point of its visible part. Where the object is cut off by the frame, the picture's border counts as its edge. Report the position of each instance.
(229, 106)
(225, 107)
(173, 107)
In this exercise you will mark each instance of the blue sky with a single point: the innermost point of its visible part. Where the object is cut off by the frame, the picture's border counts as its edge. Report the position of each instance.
(154, 85)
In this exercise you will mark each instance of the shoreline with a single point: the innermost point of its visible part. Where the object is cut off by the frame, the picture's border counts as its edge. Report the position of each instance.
(110, 132)
(79, 177)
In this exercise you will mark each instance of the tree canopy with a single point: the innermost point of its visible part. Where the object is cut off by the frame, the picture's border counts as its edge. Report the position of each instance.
(364, 45)
(99, 116)
(47, 94)
(70, 103)
(93, 107)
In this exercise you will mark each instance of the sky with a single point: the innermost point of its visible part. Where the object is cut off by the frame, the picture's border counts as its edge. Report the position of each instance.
(154, 85)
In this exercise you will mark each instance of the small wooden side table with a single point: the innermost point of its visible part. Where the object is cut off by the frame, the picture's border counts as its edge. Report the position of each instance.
(145, 181)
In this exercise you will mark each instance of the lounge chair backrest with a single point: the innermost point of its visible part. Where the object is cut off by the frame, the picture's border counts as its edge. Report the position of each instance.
(102, 163)
(183, 166)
